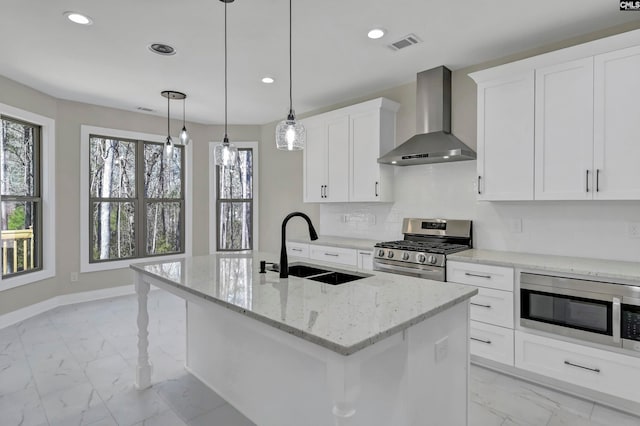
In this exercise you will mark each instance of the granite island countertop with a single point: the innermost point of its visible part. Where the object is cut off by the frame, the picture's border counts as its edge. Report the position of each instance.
(344, 318)
(598, 268)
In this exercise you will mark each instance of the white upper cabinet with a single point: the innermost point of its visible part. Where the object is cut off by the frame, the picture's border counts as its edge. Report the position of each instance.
(616, 125)
(343, 146)
(573, 137)
(505, 138)
(564, 131)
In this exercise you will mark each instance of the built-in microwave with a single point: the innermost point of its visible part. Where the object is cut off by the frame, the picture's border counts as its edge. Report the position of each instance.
(595, 311)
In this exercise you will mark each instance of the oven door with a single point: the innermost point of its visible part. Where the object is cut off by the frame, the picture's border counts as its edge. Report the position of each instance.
(435, 273)
(579, 314)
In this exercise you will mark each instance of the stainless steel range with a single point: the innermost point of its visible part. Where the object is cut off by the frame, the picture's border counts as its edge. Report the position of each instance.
(423, 252)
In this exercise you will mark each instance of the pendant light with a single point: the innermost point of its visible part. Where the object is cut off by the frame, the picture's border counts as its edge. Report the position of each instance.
(172, 94)
(184, 136)
(290, 134)
(225, 154)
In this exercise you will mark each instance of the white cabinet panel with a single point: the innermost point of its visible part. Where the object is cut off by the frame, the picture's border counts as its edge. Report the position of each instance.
(365, 150)
(479, 275)
(334, 254)
(505, 138)
(616, 125)
(491, 342)
(365, 259)
(603, 371)
(337, 189)
(493, 307)
(297, 249)
(315, 161)
(564, 131)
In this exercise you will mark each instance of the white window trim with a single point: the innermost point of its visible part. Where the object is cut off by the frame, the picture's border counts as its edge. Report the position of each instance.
(47, 192)
(85, 132)
(212, 194)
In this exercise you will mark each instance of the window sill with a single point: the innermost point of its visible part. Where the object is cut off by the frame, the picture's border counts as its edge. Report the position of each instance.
(120, 264)
(30, 278)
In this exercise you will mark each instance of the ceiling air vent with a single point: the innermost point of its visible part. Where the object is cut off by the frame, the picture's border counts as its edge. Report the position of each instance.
(406, 41)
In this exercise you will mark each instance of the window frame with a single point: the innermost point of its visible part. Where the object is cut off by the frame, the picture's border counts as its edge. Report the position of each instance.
(213, 199)
(45, 171)
(89, 265)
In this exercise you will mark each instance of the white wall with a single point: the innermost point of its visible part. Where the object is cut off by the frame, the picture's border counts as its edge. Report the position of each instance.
(579, 228)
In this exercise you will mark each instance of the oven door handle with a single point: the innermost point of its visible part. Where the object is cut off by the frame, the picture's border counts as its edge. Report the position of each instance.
(616, 319)
(394, 268)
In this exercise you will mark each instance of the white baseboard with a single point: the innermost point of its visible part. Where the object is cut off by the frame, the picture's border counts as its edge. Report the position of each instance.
(67, 299)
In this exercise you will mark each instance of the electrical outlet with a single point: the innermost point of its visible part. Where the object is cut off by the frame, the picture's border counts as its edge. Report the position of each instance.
(634, 230)
(74, 277)
(442, 348)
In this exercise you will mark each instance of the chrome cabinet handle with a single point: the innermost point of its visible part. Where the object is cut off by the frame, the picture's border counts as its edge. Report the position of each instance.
(488, 342)
(587, 181)
(296, 249)
(616, 320)
(331, 254)
(377, 189)
(469, 274)
(481, 305)
(321, 191)
(597, 180)
(365, 253)
(595, 370)
(325, 191)
(479, 177)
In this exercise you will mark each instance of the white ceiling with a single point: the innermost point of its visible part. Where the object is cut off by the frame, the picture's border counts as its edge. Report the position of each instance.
(109, 64)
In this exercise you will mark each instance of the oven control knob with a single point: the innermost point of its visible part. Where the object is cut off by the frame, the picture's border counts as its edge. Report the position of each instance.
(422, 258)
(405, 256)
(390, 254)
(380, 253)
(432, 259)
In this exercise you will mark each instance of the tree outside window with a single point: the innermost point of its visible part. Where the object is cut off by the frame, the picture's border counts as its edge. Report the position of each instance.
(136, 197)
(234, 202)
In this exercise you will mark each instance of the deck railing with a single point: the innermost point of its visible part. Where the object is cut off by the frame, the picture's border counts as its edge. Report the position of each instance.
(11, 241)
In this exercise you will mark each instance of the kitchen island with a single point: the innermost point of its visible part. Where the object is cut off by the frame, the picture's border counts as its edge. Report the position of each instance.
(383, 350)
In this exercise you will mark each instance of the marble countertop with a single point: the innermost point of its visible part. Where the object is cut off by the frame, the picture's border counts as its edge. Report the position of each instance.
(344, 318)
(602, 269)
(329, 240)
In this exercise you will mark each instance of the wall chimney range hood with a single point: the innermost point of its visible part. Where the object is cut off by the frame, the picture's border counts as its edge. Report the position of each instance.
(433, 142)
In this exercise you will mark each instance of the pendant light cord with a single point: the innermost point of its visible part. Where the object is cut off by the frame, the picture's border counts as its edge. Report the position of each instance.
(168, 118)
(225, 72)
(290, 67)
(183, 111)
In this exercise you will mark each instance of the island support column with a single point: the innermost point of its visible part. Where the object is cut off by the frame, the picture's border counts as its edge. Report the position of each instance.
(343, 377)
(143, 369)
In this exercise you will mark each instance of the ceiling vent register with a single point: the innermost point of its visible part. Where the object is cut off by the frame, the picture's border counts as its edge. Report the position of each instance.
(406, 41)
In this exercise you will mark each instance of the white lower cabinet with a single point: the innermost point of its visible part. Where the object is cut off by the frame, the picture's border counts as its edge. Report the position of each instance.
(604, 371)
(297, 249)
(344, 256)
(491, 342)
(493, 307)
(365, 259)
(488, 276)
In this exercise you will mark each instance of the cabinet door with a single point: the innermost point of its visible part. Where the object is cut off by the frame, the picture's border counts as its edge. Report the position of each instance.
(616, 125)
(505, 138)
(365, 150)
(564, 131)
(337, 189)
(315, 162)
(365, 259)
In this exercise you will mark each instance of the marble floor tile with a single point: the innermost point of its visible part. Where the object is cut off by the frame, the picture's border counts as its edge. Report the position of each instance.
(110, 376)
(22, 408)
(567, 418)
(608, 416)
(75, 406)
(15, 376)
(133, 406)
(167, 418)
(480, 415)
(224, 415)
(188, 397)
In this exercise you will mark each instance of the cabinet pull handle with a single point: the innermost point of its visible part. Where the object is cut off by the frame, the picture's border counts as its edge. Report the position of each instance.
(325, 191)
(365, 254)
(488, 342)
(597, 180)
(481, 305)
(479, 177)
(376, 189)
(595, 370)
(296, 249)
(469, 274)
(332, 254)
(587, 181)
(321, 191)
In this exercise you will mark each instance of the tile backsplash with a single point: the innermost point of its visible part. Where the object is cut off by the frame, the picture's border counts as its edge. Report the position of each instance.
(599, 229)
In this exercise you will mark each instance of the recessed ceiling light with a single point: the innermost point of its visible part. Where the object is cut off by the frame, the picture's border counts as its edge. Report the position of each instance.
(376, 33)
(267, 80)
(78, 18)
(162, 49)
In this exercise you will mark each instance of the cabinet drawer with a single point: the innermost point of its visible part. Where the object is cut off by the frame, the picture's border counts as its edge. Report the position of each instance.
(297, 249)
(491, 342)
(488, 276)
(493, 307)
(597, 369)
(334, 254)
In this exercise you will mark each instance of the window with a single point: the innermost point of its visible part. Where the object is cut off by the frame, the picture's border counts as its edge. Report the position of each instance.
(136, 199)
(234, 204)
(21, 205)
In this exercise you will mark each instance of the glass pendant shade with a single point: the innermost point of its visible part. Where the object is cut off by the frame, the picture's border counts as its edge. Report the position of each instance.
(290, 134)
(184, 136)
(225, 154)
(168, 146)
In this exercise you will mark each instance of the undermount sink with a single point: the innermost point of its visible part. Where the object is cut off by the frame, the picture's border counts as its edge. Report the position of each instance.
(311, 272)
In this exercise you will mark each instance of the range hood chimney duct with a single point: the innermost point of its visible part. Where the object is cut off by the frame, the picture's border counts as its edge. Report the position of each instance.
(433, 142)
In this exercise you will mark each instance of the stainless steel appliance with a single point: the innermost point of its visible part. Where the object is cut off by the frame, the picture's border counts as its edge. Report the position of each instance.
(595, 311)
(424, 249)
